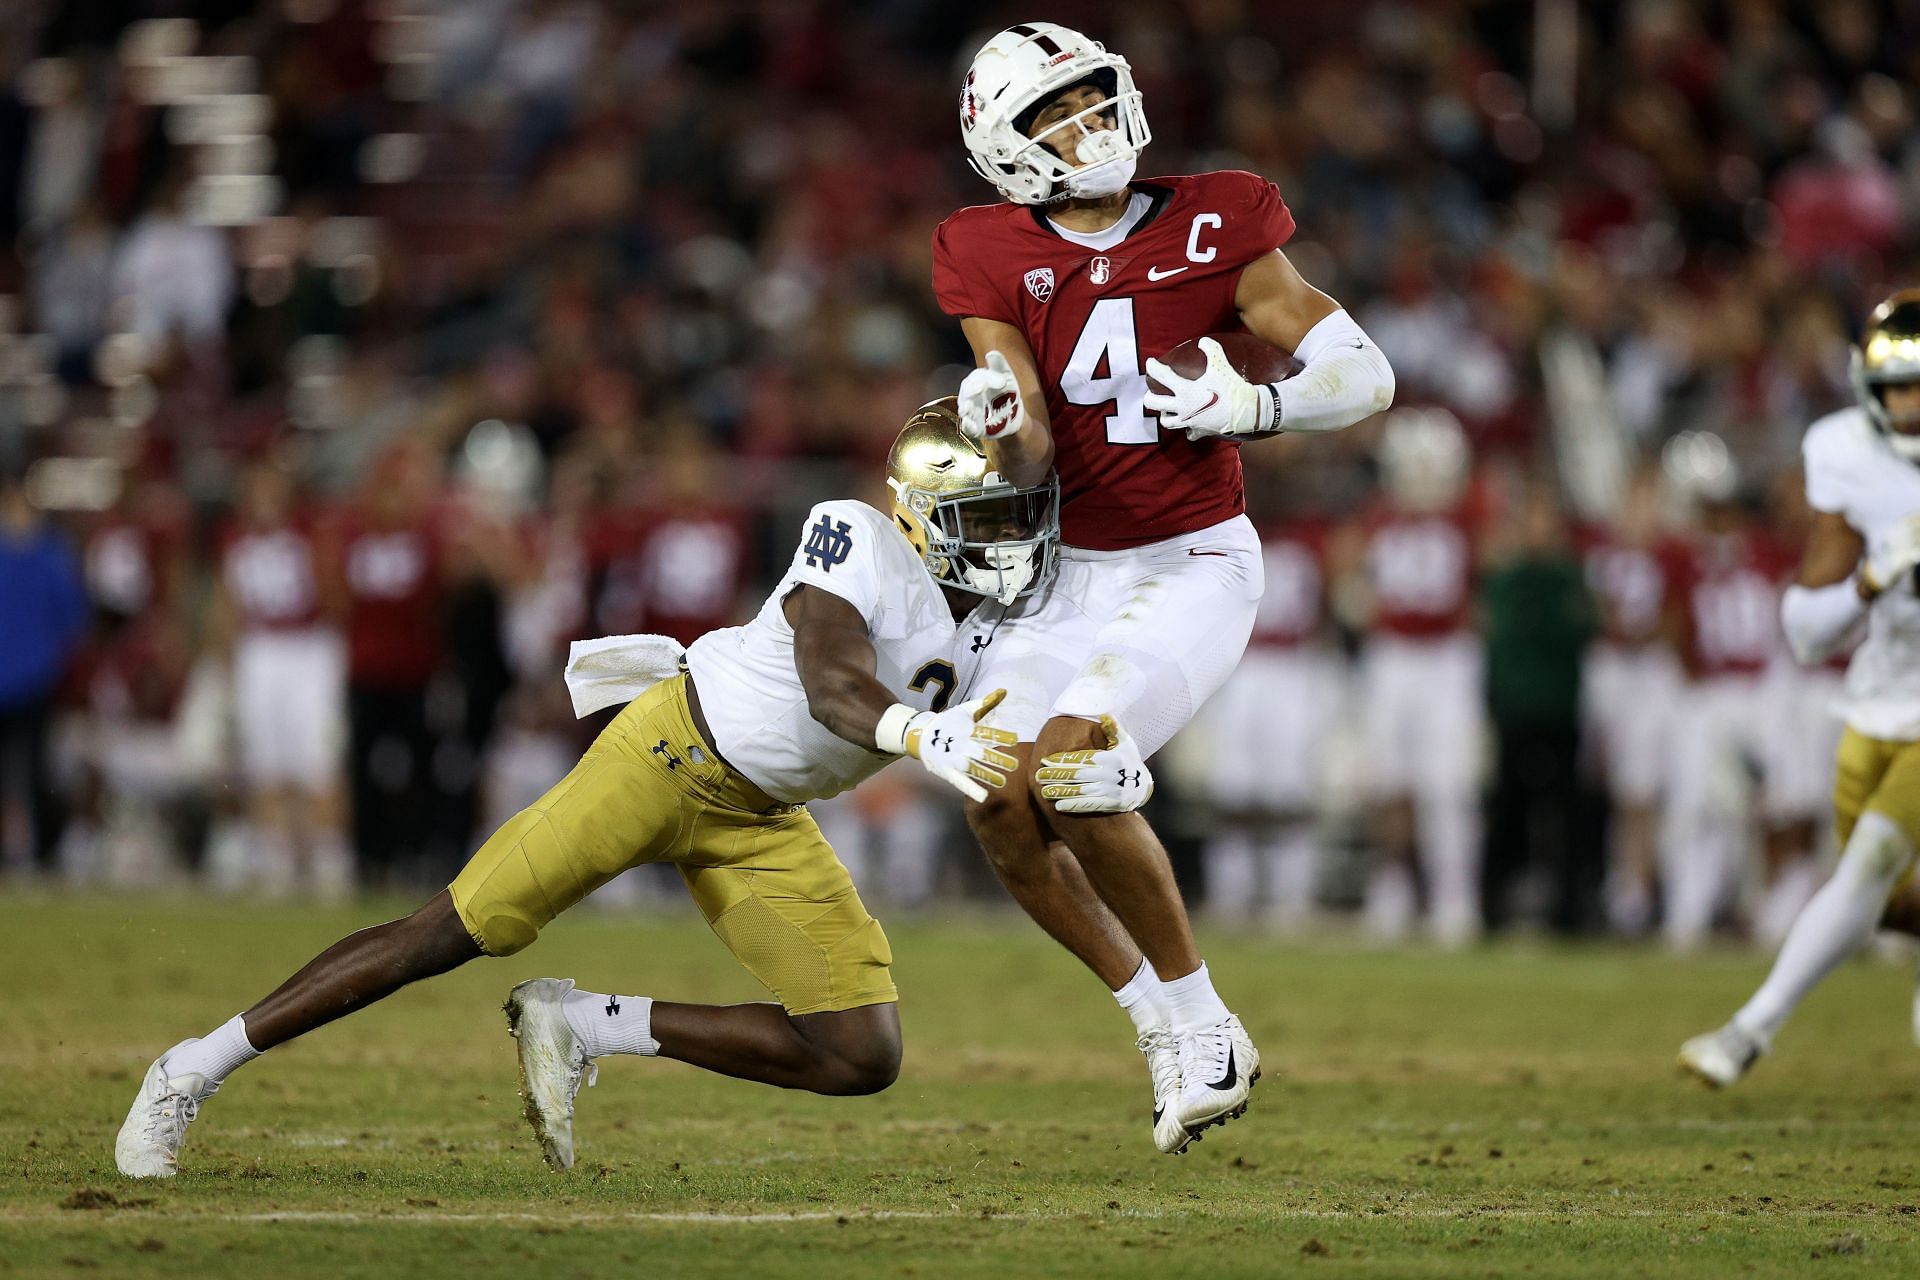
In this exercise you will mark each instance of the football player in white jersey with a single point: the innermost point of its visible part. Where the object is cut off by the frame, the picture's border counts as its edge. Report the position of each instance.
(1863, 483)
(848, 666)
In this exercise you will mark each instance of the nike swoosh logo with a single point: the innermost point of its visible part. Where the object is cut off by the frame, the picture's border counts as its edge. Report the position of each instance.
(1161, 273)
(1195, 551)
(1227, 1081)
(1157, 1113)
(1212, 400)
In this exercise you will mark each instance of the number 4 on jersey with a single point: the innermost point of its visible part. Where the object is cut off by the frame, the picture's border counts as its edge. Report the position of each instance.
(1107, 340)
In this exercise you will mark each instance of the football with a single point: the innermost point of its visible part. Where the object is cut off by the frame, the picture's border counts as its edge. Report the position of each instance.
(1254, 359)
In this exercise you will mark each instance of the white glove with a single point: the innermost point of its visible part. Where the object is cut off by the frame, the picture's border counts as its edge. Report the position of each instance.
(1217, 403)
(1891, 555)
(1113, 779)
(990, 407)
(954, 745)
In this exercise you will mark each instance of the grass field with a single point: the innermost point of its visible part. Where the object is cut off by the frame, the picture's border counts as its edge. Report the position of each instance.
(1506, 1112)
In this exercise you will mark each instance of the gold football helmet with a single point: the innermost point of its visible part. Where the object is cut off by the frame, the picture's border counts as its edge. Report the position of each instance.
(973, 530)
(1889, 354)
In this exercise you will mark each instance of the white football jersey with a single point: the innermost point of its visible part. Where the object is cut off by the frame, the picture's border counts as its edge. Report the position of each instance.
(751, 692)
(1853, 473)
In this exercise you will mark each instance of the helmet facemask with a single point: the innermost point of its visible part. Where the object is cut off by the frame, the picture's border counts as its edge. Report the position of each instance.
(997, 541)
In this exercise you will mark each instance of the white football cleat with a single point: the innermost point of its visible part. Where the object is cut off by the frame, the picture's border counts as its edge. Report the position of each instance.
(552, 1064)
(1163, 1061)
(156, 1124)
(1218, 1067)
(1719, 1058)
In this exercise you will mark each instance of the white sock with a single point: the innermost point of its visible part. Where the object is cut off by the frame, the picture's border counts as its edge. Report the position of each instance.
(1836, 922)
(611, 1024)
(224, 1048)
(1142, 1000)
(1192, 1002)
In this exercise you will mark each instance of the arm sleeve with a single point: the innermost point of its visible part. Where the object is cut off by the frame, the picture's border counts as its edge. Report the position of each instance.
(960, 292)
(1826, 478)
(836, 553)
(1344, 378)
(1819, 620)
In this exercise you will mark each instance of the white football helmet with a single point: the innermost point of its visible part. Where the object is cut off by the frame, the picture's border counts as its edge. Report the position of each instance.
(1017, 73)
(1699, 470)
(1424, 458)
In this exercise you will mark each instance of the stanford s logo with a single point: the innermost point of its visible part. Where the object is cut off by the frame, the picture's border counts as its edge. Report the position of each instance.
(1100, 269)
(828, 543)
(1040, 283)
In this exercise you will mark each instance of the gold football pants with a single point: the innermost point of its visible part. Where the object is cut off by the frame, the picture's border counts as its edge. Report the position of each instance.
(1876, 774)
(650, 790)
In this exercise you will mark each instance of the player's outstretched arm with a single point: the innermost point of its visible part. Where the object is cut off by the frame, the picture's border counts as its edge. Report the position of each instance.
(1838, 577)
(835, 660)
(1002, 404)
(1346, 377)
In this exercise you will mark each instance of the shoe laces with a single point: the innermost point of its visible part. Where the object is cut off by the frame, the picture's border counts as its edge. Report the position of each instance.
(173, 1110)
(1163, 1061)
(1203, 1053)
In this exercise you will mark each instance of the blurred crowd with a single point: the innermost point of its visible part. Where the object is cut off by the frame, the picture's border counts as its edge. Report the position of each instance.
(355, 355)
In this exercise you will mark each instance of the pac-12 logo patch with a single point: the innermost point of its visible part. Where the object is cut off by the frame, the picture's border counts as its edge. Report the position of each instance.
(1040, 283)
(1100, 270)
(828, 543)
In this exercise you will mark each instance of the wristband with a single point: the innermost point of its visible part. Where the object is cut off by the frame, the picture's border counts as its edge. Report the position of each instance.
(890, 735)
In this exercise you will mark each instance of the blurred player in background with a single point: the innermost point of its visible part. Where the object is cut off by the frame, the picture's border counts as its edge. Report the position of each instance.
(1421, 679)
(1631, 686)
(1801, 744)
(1724, 721)
(385, 562)
(289, 678)
(1537, 618)
(849, 665)
(1856, 573)
(1066, 292)
(1264, 740)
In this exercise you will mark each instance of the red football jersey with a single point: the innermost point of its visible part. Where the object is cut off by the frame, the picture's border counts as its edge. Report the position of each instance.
(1733, 602)
(1093, 316)
(679, 573)
(1633, 582)
(270, 576)
(1293, 607)
(1421, 570)
(391, 578)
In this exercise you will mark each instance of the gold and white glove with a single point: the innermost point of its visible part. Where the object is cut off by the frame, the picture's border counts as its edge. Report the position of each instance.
(1112, 779)
(990, 407)
(1891, 555)
(954, 745)
(1217, 403)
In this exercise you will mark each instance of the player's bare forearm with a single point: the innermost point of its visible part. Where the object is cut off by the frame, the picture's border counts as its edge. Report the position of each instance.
(1832, 553)
(835, 660)
(1277, 304)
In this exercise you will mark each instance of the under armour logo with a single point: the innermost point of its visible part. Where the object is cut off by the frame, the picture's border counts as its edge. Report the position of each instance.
(665, 752)
(981, 642)
(1130, 777)
(828, 544)
(613, 1005)
(941, 740)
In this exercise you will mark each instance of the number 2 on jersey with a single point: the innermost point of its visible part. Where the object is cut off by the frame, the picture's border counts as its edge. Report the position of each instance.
(1108, 339)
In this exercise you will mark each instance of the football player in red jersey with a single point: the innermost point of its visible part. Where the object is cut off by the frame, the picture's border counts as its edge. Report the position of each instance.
(1726, 719)
(1631, 686)
(1422, 687)
(289, 685)
(1065, 292)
